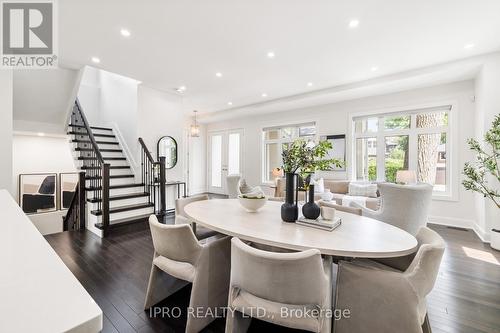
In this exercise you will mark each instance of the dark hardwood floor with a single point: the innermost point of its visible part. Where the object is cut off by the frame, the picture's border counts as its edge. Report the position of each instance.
(115, 272)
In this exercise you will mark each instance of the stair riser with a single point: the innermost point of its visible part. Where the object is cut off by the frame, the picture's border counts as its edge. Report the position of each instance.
(114, 181)
(105, 154)
(111, 154)
(118, 203)
(122, 215)
(88, 145)
(107, 146)
(116, 172)
(99, 131)
(97, 138)
(122, 191)
(110, 162)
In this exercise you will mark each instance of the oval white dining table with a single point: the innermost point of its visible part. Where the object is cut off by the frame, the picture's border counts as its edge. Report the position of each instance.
(356, 237)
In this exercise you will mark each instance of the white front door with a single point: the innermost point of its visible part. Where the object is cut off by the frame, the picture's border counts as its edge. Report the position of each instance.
(224, 158)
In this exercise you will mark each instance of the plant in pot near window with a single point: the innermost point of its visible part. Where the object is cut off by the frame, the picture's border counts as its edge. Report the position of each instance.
(484, 176)
(315, 158)
(309, 158)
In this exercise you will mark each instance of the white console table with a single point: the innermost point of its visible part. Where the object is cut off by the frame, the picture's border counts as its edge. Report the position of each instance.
(38, 292)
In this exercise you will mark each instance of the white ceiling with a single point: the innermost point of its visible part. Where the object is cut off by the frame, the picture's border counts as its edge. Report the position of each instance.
(186, 42)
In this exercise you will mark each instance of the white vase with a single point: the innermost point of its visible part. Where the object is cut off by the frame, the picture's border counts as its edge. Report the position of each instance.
(327, 195)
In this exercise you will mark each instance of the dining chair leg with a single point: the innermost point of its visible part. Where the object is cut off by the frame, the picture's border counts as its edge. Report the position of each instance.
(152, 280)
(236, 322)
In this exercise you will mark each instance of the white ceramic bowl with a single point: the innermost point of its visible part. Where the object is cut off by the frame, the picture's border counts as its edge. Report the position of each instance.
(252, 205)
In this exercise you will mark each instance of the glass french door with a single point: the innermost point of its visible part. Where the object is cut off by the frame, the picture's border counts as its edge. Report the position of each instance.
(224, 158)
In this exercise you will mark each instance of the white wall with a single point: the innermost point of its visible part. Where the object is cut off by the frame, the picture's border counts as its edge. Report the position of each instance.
(160, 114)
(335, 119)
(6, 114)
(488, 105)
(110, 100)
(48, 154)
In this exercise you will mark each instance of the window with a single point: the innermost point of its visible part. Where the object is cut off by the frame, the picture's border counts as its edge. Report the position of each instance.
(275, 139)
(411, 140)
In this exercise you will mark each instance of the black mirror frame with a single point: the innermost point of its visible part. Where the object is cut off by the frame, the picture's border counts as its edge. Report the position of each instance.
(176, 148)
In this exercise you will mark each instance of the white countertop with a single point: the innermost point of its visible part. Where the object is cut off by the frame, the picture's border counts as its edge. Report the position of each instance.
(38, 293)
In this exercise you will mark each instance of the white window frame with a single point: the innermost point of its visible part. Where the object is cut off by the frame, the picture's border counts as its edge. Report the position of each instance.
(280, 141)
(451, 177)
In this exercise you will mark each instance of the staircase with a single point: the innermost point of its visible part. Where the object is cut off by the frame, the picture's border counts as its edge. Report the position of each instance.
(114, 198)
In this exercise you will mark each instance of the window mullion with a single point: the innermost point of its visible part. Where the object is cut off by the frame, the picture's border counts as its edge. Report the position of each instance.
(380, 150)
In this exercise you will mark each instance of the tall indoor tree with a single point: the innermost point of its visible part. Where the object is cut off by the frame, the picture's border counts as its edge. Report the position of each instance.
(484, 175)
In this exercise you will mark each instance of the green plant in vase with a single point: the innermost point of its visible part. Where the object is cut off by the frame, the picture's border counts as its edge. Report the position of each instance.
(487, 163)
(315, 158)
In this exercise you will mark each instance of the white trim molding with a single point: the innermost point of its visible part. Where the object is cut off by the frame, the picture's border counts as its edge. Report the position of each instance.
(461, 223)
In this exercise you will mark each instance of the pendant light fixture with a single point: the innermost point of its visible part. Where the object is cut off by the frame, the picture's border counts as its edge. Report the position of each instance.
(195, 128)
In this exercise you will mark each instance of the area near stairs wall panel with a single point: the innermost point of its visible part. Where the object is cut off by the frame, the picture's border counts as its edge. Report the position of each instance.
(43, 96)
(47, 154)
(6, 111)
(161, 114)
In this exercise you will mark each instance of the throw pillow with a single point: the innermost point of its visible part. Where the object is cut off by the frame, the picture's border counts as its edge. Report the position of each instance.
(244, 188)
(363, 190)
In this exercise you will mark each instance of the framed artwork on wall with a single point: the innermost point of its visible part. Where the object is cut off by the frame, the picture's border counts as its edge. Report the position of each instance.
(37, 192)
(67, 187)
(338, 149)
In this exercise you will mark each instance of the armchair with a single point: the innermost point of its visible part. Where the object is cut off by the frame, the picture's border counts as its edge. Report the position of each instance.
(403, 206)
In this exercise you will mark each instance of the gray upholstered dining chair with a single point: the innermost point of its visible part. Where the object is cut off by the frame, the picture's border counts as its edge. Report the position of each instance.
(181, 217)
(232, 183)
(272, 282)
(385, 299)
(178, 253)
(403, 206)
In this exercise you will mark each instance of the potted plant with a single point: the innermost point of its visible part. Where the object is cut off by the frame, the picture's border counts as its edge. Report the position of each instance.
(482, 175)
(307, 158)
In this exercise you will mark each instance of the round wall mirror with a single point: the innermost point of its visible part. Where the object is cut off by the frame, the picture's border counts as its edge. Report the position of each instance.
(167, 147)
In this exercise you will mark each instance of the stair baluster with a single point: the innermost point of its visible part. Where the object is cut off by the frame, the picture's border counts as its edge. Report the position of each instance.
(93, 162)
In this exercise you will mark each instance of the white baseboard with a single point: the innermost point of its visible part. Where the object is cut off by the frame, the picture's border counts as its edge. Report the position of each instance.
(460, 223)
(199, 190)
(481, 233)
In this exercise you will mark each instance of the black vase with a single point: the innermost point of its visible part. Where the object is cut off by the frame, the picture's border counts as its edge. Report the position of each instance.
(289, 210)
(310, 210)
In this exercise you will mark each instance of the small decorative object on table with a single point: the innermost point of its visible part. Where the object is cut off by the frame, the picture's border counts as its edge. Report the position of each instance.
(311, 210)
(320, 223)
(253, 201)
(327, 195)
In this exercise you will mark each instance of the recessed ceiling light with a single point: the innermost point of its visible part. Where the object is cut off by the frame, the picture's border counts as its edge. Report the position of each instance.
(96, 60)
(40, 134)
(229, 103)
(353, 23)
(309, 84)
(469, 46)
(218, 74)
(181, 89)
(271, 54)
(374, 68)
(125, 32)
(264, 95)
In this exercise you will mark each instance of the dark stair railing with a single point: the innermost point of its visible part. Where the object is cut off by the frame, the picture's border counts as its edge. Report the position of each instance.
(75, 216)
(153, 177)
(97, 171)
